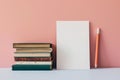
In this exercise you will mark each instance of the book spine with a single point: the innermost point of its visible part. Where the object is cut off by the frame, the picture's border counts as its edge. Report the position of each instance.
(32, 59)
(32, 67)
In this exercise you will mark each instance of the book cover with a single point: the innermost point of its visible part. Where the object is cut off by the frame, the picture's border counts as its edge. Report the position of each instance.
(33, 49)
(34, 62)
(33, 58)
(31, 67)
(26, 45)
(32, 55)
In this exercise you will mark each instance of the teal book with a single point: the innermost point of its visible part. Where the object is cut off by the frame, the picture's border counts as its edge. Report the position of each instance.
(31, 67)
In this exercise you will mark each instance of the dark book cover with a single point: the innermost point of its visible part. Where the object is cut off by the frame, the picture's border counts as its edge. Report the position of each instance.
(31, 67)
(33, 58)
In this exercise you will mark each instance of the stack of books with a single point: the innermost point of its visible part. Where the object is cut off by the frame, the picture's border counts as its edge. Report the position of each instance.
(33, 56)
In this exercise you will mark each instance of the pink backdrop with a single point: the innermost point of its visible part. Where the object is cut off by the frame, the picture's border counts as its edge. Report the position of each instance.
(35, 21)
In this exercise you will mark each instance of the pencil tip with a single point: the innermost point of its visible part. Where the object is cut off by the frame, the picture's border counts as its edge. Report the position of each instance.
(98, 30)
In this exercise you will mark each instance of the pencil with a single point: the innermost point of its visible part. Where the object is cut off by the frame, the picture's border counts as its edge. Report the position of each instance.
(97, 46)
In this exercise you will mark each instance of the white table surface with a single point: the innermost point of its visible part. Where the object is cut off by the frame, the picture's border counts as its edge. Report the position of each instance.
(92, 74)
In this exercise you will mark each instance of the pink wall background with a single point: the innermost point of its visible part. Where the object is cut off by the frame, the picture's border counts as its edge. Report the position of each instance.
(35, 21)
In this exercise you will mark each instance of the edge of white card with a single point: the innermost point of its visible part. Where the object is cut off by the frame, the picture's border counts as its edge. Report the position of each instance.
(73, 49)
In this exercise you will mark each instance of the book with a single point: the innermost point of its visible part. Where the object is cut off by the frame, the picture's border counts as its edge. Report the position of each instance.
(32, 52)
(26, 45)
(34, 62)
(33, 55)
(33, 49)
(73, 49)
(31, 67)
(33, 58)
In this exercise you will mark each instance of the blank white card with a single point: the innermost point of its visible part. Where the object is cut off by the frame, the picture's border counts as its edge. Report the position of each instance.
(73, 49)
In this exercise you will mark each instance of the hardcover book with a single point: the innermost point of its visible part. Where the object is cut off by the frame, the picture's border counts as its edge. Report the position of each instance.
(33, 49)
(24, 45)
(31, 67)
(33, 58)
(34, 62)
(33, 55)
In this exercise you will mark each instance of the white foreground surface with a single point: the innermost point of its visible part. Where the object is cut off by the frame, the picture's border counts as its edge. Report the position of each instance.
(92, 74)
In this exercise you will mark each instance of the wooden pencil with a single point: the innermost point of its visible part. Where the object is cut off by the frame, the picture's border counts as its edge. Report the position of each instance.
(97, 47)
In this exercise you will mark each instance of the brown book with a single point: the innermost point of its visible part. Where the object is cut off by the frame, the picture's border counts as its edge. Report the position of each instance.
(33, 58)
(29, 45)
(33, 49)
